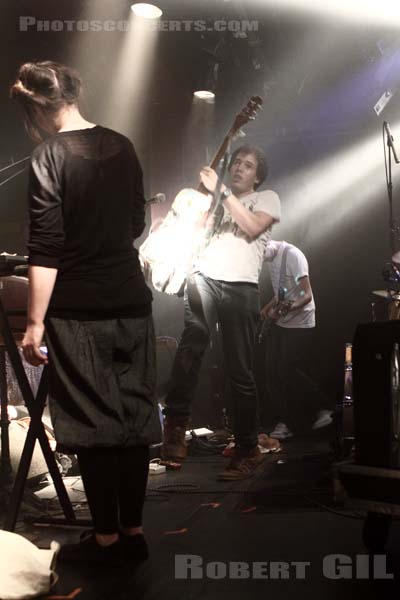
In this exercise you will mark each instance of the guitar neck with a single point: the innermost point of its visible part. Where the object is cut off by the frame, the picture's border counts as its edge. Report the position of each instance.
(221, 150)
(217, 156)
(246, 114)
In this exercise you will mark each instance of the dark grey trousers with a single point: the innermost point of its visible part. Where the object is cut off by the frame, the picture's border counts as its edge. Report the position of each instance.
(102, 380)
(235, 306)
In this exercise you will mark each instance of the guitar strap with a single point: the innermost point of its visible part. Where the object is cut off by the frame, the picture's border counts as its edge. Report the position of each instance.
(216, 211)
(281, 289)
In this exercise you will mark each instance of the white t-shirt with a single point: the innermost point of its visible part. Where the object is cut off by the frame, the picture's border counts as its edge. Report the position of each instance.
(231, 255)
(296, 268)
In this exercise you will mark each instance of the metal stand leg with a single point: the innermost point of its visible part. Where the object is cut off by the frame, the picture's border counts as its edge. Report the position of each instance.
(36, 430)
(5, 459)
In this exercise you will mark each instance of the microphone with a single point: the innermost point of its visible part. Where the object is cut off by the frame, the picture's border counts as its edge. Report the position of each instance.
(157, 199)
(390, 141)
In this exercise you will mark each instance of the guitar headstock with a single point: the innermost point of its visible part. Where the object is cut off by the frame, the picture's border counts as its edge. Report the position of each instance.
(248, 113)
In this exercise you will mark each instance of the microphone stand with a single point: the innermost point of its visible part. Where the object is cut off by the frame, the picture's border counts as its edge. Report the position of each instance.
(10, 166)
(391, 275)
(12, 177)
(14, 164)
(389, 183)
(393, 228)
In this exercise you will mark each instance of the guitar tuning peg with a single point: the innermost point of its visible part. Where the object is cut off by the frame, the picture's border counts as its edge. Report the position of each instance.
(239, 134)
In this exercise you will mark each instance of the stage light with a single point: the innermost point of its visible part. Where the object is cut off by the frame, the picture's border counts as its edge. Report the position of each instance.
(127, 103)
(146, 11)
(198, 134)
(383, 101)
(205, 95)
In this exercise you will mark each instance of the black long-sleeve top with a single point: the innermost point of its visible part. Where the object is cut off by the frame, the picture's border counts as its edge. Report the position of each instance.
(86, 207)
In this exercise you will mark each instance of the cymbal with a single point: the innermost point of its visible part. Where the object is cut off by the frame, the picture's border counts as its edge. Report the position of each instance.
(386, 294)
(396, 257)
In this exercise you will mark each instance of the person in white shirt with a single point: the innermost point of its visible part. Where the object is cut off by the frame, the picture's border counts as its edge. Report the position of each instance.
(224, 289)
(291, 316)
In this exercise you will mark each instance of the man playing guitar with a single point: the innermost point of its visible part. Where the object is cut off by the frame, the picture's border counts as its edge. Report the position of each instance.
(223, 287)
(291, 315)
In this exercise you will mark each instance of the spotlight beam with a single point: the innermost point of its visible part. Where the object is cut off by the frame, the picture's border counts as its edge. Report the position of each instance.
(336, 190)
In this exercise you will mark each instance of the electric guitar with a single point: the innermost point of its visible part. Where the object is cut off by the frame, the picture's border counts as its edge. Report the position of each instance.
(281, 307)
(168, 253)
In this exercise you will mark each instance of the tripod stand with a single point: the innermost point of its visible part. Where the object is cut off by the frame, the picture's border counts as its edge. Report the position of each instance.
(35, 406)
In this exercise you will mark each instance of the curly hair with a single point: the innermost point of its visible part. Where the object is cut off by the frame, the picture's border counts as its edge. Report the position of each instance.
(262, 166)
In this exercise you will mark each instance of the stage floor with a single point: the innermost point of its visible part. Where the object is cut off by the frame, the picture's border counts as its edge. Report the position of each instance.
(285, 514)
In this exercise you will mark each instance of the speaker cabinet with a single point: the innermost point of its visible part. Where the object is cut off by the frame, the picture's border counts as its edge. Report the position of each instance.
(376, 359)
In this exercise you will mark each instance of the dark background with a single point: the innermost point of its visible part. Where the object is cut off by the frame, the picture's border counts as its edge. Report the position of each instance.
(320, 80)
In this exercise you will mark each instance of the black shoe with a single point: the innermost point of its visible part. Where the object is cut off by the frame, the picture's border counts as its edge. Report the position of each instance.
(90, 552)
(134, 547)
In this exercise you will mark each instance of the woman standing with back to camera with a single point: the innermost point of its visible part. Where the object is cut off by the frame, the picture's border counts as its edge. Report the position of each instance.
(88, 296)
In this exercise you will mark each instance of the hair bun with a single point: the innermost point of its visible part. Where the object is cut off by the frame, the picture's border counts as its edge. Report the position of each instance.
(47, 86)
(19, 89)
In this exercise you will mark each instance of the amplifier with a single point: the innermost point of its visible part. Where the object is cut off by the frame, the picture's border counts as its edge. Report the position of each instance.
(376, 363)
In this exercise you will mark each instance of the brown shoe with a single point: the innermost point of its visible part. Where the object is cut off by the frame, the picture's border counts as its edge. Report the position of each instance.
(242, 466)
(174, 445)
(268, 444)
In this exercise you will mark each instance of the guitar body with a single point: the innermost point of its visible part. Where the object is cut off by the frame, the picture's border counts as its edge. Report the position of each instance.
(167, 255)
(282, 308)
